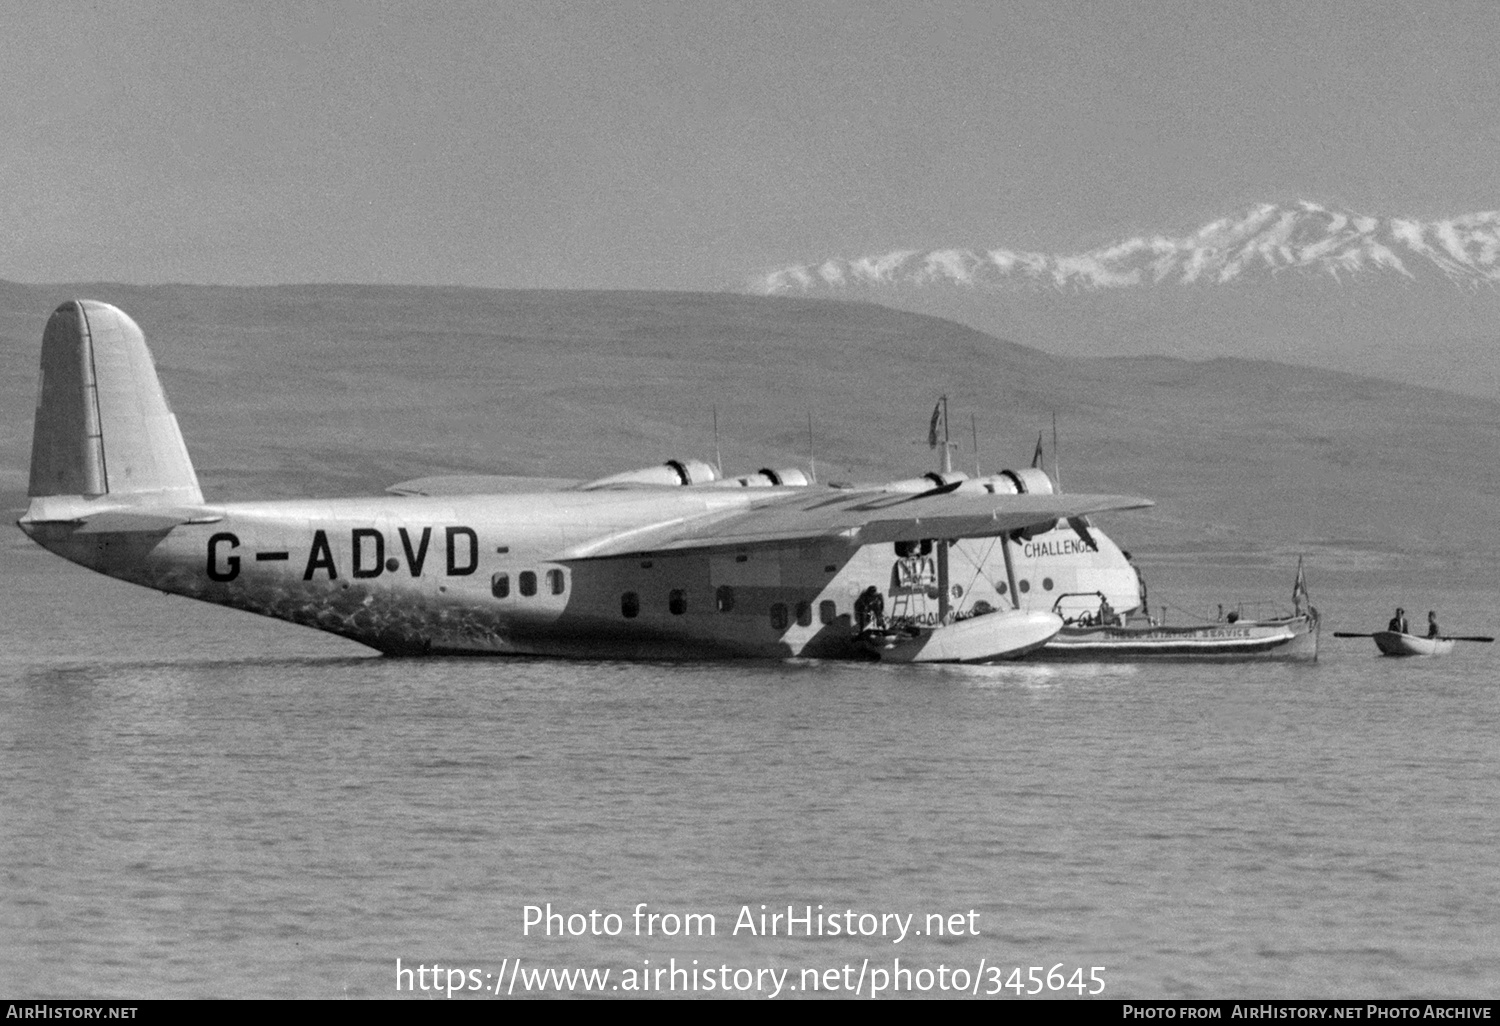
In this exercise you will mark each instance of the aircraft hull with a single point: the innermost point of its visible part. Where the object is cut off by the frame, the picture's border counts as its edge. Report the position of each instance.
(414, 576)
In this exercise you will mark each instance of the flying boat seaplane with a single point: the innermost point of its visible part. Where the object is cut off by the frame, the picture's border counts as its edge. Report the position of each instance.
(669, 562)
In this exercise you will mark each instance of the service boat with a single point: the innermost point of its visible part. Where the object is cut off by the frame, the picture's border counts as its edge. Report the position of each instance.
(1394, 643)
(1292, 637)
(1104, 638)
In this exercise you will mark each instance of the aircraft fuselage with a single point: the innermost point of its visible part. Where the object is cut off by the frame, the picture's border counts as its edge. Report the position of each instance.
(480, 575)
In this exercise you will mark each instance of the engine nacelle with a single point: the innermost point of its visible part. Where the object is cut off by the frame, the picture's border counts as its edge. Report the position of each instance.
(1027, 481)
(765, 477)
(673, 473)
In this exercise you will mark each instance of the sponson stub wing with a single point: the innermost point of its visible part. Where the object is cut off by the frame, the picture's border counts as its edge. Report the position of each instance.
(857, 517)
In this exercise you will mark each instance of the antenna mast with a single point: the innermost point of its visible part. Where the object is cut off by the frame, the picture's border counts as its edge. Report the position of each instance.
(718, 461)
(812, 462)
(1056, 463)
(940, 413)
(947, 445)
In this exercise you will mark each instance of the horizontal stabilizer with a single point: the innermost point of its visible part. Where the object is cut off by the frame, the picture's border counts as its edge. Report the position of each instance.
(855, 517)
(149, 520)
(106, 516)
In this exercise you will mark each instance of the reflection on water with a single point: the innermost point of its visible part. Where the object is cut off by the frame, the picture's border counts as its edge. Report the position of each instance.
(196, 802)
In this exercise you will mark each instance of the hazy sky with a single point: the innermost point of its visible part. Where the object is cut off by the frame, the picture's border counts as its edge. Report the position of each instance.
(695, 145)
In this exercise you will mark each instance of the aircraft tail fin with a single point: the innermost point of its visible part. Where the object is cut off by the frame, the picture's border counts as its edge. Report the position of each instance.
(103, 427)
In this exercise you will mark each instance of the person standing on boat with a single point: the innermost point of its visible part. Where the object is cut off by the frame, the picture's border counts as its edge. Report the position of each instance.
(1432, 624)
(869, 608)
(1398, 623)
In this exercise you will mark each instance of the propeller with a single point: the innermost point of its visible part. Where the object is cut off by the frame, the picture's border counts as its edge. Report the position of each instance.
(1080, 526)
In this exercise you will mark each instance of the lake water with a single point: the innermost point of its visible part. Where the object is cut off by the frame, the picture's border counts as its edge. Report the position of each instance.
(200, 803)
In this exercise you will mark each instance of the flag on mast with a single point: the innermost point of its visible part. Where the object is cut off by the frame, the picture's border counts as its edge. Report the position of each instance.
(1300, 598)
(1037, 460)
(932, 429)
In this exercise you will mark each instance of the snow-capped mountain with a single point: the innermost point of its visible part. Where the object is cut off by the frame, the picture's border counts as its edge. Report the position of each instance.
(1266, 241)
(1299, 283)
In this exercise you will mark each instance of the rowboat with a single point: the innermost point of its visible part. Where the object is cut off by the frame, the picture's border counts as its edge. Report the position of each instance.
(1393, 643)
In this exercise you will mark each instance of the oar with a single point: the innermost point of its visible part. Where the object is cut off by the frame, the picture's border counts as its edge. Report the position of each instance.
(1445, 637)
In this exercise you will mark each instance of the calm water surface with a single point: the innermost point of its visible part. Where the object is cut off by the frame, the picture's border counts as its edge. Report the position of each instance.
(201, 803)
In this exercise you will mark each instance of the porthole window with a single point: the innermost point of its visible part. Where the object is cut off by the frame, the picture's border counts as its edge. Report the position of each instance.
(828, 611)
(555, 582)
(1025, 586)
(527, 582)
(724, 598)
(1046, 584)
(500, 585)
(677, 602)
(630, 605)
(804, 614)
(778, 616)
(1002, 588)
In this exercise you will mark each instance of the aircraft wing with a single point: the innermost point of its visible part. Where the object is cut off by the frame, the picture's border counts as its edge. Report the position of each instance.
(856, 517)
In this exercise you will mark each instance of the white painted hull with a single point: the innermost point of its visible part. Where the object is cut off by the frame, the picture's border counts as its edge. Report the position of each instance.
(989, 638)
(1393, 644)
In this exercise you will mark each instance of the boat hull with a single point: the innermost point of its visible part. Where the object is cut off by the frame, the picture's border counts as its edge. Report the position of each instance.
(1294, 638)
(1392, 643)
(989, 638)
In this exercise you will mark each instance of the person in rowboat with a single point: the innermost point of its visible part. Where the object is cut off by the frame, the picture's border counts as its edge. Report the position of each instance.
(1432, 625)
(1398, 623)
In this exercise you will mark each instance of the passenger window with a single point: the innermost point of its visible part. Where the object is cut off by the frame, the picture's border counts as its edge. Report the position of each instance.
(778, 616)
(804, 614)
(630, 605)
(500, 585)
(677, 602)
(828, 611)
(555, 583)
(724, 598)
(528, 582)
